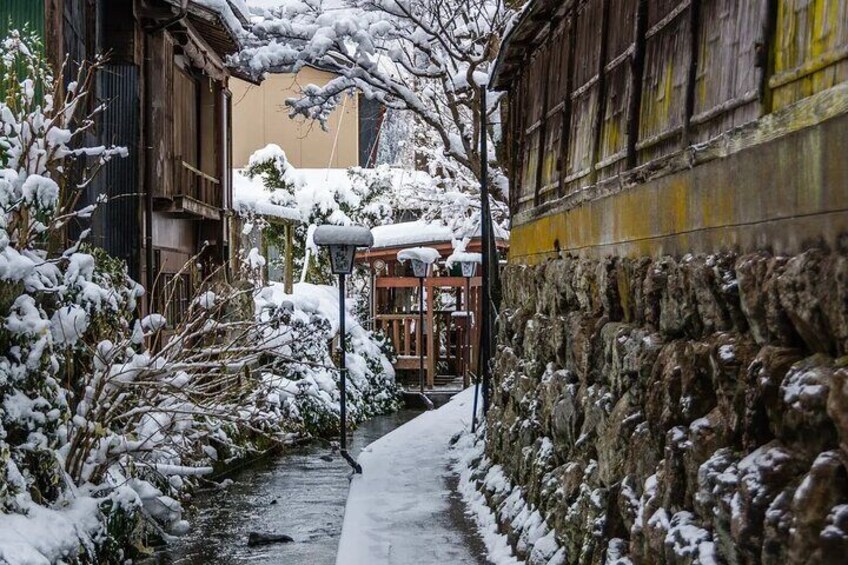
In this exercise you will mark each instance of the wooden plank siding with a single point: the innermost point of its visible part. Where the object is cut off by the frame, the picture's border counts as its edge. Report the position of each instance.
(618, 88)
(161, 78)
(558, 112)
(585, 99)
(662, 116)
(728, 82)
(610, 85)
(811, 52)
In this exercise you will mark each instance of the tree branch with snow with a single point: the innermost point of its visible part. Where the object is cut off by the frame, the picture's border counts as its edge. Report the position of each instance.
(424, 57)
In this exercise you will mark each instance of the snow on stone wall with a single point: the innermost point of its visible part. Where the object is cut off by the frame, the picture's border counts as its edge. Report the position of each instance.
(672, 411)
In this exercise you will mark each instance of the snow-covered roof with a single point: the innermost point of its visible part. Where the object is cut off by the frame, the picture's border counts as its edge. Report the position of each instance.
(319, 188)
(319, 179)
(411, 233)
(424, 254)
(251, 197)
(235, 13)
(463, 257)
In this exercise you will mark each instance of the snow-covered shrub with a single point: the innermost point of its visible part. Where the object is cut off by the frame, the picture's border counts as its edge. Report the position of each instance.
(99, 431)
(305, 380)
(367, 200)
(54, 296)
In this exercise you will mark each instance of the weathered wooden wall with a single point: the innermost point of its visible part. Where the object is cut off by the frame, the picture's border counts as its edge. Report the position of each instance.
(610, 85)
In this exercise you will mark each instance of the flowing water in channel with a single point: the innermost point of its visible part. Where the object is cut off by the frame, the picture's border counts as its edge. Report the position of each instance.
(298, 494)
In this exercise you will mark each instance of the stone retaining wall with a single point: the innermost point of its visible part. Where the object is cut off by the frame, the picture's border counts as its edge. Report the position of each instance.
(676, 411)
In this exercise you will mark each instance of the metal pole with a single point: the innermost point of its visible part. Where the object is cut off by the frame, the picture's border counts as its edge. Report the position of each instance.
(485, 329)
(468, 352)
(421, 333)
(343, 376)
(467, 356)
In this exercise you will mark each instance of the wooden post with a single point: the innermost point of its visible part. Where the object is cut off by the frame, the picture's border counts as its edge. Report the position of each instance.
(289, 276)
(432, 352)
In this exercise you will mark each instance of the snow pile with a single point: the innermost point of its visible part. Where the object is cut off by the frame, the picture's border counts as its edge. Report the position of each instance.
(463, 257)
(426, 255)
(485, 486)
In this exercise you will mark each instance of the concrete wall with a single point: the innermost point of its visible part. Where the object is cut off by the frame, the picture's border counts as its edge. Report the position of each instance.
(260, 117)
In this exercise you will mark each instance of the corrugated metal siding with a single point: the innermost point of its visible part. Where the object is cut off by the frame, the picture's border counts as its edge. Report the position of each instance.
(116, 224)
(19, 13)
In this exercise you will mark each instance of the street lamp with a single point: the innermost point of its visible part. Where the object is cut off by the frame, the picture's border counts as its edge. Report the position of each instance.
(342, 242)
(422, 259)
(468, 262)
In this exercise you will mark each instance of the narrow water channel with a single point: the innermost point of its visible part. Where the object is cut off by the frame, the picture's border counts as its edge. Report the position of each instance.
(298, 494)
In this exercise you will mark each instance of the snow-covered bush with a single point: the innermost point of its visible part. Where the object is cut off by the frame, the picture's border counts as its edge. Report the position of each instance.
(304, 381)
(55, 297)
(99, 431)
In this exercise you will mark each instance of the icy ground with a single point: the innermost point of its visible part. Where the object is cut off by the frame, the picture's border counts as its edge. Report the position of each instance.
(399, 510)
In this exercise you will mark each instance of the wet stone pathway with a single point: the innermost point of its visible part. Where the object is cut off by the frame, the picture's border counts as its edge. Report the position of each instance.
(299, 494)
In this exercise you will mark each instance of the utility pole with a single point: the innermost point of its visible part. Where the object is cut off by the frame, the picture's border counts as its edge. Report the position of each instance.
(486, 229)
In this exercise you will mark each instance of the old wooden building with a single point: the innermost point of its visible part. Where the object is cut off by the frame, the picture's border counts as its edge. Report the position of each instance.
(675, 126)
(167, 90)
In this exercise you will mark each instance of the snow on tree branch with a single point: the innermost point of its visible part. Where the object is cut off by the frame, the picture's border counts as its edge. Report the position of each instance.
(426, 57)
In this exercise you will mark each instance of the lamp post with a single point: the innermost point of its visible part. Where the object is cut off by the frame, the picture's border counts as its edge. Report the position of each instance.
(468, 262)
(422, 259)
(342, 242)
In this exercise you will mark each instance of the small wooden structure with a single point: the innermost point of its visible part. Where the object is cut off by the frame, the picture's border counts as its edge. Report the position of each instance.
(394, 303)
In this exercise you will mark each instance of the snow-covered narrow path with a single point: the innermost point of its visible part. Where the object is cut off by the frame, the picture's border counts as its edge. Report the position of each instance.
(399, 510)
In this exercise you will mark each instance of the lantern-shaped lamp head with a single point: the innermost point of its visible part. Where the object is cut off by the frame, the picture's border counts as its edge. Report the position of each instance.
(342, 241)
(469, 269)
(420, 269)
(468, 262)
(421, 257)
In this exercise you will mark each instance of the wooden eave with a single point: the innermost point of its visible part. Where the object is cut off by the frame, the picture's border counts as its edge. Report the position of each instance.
(199, 52)
(213, 30)
(528, 32)
(183, 206)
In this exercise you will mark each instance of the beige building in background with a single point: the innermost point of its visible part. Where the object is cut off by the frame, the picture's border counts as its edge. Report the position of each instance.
(260, 117)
